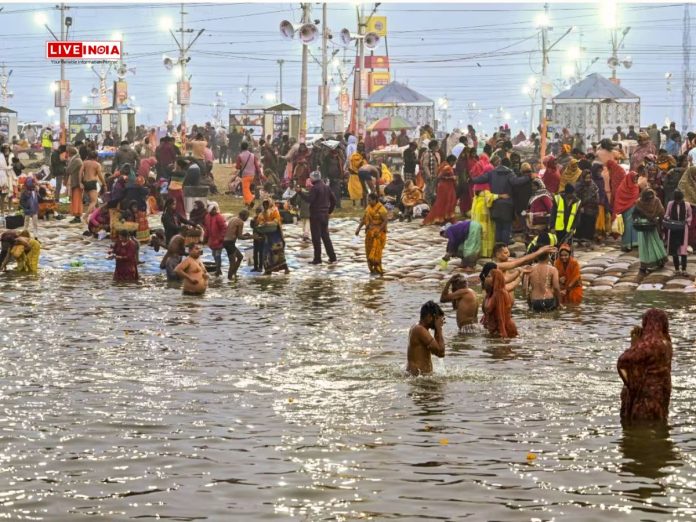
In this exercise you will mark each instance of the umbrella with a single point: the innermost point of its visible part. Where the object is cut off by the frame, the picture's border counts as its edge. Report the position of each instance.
(390, 123)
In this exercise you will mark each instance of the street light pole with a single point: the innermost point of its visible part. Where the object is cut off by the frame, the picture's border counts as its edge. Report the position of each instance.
(280, 65)
(544, 63)
(324, 66)
(182, 65)
(361, 50)
(303, 88)
(63, 108)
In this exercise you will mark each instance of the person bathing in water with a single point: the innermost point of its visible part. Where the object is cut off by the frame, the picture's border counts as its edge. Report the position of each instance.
(543, 287)
(421, 344)
(464, 301)
(193, 272)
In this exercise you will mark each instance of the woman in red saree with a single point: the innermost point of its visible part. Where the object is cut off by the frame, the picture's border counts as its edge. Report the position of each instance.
(446, 195)
(125, 252)
(301, 166)
(497, 307)
(646, 371)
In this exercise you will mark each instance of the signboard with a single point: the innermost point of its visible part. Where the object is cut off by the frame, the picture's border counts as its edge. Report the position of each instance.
(183, 93)
(344, 101)
(374, 62)
(105, 50)
(120, 93)
(379, 80)
(5, 125)
(89, 123)
(377, 24)
(364, 87)
(247, 121)
(61, 97)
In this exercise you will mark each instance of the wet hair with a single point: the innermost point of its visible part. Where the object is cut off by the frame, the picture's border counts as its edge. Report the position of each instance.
(486, 270)
(543, 257)
(459, 282)
(498, 247)
(431, 308)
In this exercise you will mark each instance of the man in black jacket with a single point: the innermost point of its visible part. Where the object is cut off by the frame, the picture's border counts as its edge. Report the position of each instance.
(502, 179)
(321, 203)
(410, 161)
(58, 167)
(124, 154)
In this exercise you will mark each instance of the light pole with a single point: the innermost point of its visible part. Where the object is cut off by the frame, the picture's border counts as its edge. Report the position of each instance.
(443, 104)
(280, 88)
(308, 33)
(531, 88)
(183, 85)
(4, 80)
(64, 90)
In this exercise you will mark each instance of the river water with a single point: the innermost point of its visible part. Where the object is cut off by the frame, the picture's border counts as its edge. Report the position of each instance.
(283, 397)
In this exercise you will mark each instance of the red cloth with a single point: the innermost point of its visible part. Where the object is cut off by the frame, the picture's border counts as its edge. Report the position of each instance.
(626, 195)
(215, 228)
(498, 314)
(482, 166)
(442, 210)
(616, 176)
(380, 140)
(646, 370)
(145, 165)
(178, 196)
(551, 176)
(126, 269)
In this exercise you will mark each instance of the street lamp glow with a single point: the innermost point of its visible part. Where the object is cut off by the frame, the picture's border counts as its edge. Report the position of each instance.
(117, 36)
(610, 14)
(567, 71)
(531, 81)
(53, 87)
(269, 96)
(50, 113)
(574, 53)
(84, 99)
(171, 89)
(166, 23)
(526, 89)
(177, 73)
(132, 98)
(541, 20)
(137, 109)
(507, 116)
(40, 19)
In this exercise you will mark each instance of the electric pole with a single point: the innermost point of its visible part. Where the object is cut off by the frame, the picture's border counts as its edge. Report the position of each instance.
(247, 91)
(4, 80)
(280, 89)
(361, 50)
(324, 66)
(303, 89)
(688, 87)
(542, 86)
(63, 109)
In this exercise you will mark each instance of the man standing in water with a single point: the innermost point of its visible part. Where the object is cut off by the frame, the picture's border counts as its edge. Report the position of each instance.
(321, 204)
(193, 272)
(543, 287)
(463, 300)
(421, 344)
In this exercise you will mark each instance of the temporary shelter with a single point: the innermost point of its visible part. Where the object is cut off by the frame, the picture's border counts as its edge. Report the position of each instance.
(396, 99)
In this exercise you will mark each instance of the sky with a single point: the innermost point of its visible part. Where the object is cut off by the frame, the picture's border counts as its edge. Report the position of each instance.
(468, 53)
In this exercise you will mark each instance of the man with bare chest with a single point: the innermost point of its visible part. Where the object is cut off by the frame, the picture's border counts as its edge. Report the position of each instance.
(464, 301)
(421, 344)
(192, 271)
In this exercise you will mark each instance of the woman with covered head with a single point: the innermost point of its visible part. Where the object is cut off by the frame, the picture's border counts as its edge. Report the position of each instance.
(568, 276)
(625, 199)
(647, 215)
(587, 192)
(646, 371)
(551, 175)
(375, 222)
(687, 184)
(678, 212)
(497, 306)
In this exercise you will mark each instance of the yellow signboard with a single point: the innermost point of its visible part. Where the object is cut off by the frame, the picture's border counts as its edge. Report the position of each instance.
(377, 24)
(379, 80)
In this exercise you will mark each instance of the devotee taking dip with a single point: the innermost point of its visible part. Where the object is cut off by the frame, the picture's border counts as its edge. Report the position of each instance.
(421, 344)
(543, 290)
(125, 252)
(463, 300)
(646, 371)
(192, 271)
(569, 276)
(497, 305)
(375, 222)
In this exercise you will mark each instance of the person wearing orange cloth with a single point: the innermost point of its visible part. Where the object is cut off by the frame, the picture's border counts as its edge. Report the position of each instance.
(568, 276)
(445, 204)
(248, 168)
(73, 172)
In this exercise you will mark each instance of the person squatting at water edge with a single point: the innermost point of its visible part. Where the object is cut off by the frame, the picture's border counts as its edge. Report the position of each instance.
(421, 344)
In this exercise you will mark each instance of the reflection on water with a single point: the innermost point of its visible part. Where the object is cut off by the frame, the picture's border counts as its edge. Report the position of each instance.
(285, 397)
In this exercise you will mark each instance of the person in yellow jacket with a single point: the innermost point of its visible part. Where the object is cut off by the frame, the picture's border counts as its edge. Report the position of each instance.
(564, 215)
(47, 144)
(355, 186)
(481, 213)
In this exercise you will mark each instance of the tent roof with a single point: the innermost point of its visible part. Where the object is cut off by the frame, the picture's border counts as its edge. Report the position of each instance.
(5, 109)
(396, 92)
(594, 87)
(280, 107)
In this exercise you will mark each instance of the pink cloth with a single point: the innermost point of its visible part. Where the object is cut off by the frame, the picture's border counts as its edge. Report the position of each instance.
(145, 165)
(247, 158)
(208, 155)
(215, 228)
(482, 166)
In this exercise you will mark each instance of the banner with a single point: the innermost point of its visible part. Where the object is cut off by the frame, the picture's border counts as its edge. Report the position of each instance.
(120, 93)
(379, 80)
(344, 101)
(183, 93)
(377, 24)
(61, 97)
(373, 62)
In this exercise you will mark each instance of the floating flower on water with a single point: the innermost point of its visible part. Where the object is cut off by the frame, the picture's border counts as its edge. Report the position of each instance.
(444, 442)
(531, 456)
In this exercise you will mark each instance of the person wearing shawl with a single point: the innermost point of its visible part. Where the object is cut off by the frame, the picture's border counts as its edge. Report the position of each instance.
(481, 213)
(522, 193)
(646, 371)
(410, 197)
(625, 198)
(375, 222)
(445, 203)
(673, 177)
(647, 215)
(497, 306)
(588, 194)
(644, 148)
(355, 162)
(568, 276)
(269, 225)
(687, 185)
(551, 177)
(570, 174)
(462, 168)
(301, 166)
(678, 240)
(463, 241)
(603, 224)
(539, 207)
(616, 174)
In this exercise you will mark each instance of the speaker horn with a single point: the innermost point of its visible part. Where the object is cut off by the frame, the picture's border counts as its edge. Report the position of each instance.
(168, 62)
(287, 29)
(613, 62)
(346, 36)
(371, 40)
(627, 62)
(308, 33)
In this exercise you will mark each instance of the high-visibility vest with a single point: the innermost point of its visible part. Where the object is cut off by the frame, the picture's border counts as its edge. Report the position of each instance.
(46, 140)
(560, 215)
(553, 240)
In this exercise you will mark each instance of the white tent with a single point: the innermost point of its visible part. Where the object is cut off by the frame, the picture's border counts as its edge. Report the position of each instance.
(396, 99)
(594, 107)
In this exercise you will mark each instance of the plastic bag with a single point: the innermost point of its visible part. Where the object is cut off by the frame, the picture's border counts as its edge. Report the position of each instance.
(617, 226)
